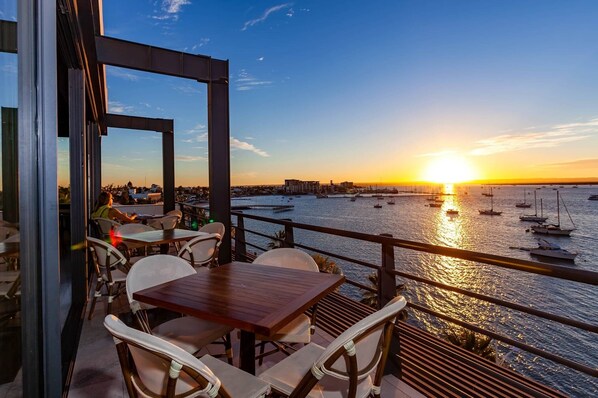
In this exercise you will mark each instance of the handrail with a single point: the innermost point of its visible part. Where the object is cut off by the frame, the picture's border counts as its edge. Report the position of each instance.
(556, 271)
(387, 270)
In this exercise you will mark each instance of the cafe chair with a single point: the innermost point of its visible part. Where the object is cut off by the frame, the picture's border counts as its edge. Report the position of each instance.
(187, 332)
(111, 268)
(214, 228)
(10, 296)
(201, 251)
(105, 226)
(351, 366)
(132, 228)
(167, 222)
(175, 212)
(300, 329)
(7, 232)
(153, 367)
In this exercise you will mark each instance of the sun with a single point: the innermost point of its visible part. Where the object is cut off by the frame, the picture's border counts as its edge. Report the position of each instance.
(449, 169)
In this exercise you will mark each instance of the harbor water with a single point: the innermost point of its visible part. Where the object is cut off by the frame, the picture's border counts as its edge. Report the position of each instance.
(411, 218)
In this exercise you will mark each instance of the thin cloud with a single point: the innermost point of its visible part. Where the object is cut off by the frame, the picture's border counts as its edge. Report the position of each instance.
(266, 14)
(260, 59)
(246, 82)
(170, 10)
(186, 158)
(119, 107)
(202, 42)
(188, 89)
(245, 146)
(123, 74)
(579, 164)
(550, 138)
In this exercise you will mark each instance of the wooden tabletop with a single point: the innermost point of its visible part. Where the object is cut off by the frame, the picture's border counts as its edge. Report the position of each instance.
(254, 298)
(160, 236)
(9, 249)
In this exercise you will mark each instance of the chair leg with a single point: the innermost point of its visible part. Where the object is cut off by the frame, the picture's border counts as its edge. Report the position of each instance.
(262, 347)
(228, 349)
(96, 294)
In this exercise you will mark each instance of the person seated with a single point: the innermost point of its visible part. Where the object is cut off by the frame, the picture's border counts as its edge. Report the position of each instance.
(104, 209)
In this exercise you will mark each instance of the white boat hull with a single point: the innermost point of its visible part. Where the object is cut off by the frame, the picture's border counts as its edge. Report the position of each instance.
(552, 253)
(551, 230)
(533, 218)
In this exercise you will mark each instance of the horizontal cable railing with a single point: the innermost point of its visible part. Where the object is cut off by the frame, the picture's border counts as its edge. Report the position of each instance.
(387, 274)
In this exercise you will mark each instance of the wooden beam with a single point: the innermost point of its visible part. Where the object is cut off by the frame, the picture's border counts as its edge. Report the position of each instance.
(139, 123)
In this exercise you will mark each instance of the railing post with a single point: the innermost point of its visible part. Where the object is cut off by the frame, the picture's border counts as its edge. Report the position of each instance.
(289, 239)
(240, 247)
(387, 284)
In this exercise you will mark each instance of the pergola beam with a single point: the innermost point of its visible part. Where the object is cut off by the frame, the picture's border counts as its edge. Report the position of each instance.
(8, 40)
(126, 54)
(164, 126)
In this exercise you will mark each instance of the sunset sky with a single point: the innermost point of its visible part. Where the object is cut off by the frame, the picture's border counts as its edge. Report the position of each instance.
(366, 91)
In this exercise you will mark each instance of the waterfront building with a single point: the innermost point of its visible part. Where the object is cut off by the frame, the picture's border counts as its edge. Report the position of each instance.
(298, 186)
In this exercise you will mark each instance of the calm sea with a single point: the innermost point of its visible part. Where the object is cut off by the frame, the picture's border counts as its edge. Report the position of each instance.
(411, 219)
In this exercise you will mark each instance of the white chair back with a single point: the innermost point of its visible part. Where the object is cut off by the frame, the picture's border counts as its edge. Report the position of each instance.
(214, 228)
(175, 212)
(287, 258)
(201, 250)
(157, 362)
(362, 340)
(106, 225)
(7, 232)
(166, 222)
(132, 228)
(151, 271)
(106, 257)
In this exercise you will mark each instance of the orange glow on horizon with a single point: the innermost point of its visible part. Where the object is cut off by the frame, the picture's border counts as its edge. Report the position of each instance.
(449, 169)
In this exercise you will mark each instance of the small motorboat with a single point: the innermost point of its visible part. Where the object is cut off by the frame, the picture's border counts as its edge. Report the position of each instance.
(435, 204)
(378, 206)
(452, 212)
(552, 250)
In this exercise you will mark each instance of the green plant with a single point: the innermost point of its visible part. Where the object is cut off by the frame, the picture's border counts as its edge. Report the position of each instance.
(278, 240)
(325, 264)
(473, 342)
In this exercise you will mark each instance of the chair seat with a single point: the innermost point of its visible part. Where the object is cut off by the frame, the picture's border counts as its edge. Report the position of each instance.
(189, 333)
(286, 375)
(296, 331)
(118, 276)
(238, 383)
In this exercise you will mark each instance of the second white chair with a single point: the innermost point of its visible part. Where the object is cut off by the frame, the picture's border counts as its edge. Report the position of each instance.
(300, 329)
(189, 333)
(201, 251)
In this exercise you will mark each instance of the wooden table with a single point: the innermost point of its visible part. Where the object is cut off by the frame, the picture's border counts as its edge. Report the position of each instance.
(254, 298)
(161, 237)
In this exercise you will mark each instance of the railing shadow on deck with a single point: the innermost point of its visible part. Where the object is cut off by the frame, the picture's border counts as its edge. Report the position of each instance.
(430, 374)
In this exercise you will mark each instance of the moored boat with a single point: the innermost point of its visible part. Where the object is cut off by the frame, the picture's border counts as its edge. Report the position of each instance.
(552, 250)
(554, 229)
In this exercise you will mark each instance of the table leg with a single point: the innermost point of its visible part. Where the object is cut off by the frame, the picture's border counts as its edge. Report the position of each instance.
(247, 352)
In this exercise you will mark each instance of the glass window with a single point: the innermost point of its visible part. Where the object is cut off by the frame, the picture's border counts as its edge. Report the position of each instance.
(10, 322)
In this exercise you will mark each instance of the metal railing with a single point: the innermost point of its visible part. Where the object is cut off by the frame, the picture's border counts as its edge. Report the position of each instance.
(387, 274)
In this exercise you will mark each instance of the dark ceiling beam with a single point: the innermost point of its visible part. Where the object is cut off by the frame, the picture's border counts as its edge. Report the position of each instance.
(126, 54)
(8, 40)
(139, 123)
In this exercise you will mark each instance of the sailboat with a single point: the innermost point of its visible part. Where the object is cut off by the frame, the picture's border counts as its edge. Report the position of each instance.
(524, 204)
(535, 217)
(491, 211)
(555, 229)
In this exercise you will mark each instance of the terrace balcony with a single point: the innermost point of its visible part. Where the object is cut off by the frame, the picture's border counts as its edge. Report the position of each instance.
(423, 363)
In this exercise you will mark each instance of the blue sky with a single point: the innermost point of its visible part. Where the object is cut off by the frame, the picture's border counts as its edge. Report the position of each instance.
(366, 90)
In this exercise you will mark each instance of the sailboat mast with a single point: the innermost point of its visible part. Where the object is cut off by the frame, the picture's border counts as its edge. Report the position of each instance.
(558, 210)
(535, 204)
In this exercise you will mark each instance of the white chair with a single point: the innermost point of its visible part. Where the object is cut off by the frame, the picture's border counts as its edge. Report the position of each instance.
(6, 232)
(175, 212)
(201, 251)
(154, 367)
(300, 329)
(132, 228)
(214, 228)
(189, 333)
(351, 365)
(167, 222)
(106, 226)
(111, 267)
